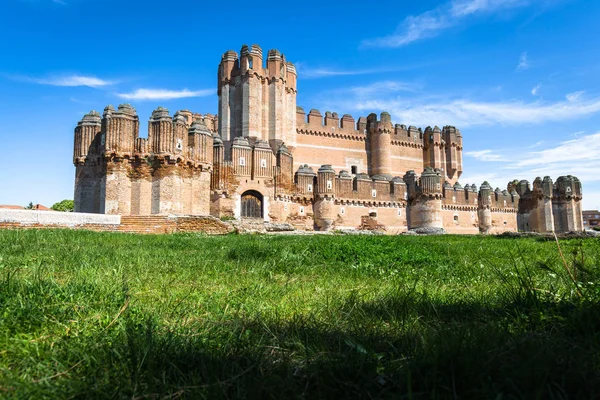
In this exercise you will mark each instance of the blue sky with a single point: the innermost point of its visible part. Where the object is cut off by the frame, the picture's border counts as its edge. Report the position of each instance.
(520, 78)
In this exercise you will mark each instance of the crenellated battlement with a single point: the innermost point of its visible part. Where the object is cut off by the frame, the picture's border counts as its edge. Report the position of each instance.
(264, 157)
(185, 137)
(249, 63)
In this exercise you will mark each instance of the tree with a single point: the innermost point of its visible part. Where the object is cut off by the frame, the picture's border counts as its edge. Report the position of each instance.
(65, 205)
(30, 206)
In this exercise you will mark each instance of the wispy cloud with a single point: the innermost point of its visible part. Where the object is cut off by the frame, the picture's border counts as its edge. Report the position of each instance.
(585, 148)
(384, 87)
(579, 157)
(464, 112)
(536, 89)
(432, 22)
(573, 97)
(66, 80)
(61, 2)
(523, 62)
(309, 72)
(164, 94)
(485, 155)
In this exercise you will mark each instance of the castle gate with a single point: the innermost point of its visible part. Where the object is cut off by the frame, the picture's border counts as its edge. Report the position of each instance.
(252, 202)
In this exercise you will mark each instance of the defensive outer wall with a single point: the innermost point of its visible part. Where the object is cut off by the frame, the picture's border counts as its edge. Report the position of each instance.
(263, 157)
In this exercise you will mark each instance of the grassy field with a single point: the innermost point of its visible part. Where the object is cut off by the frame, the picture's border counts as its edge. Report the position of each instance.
(100, 315)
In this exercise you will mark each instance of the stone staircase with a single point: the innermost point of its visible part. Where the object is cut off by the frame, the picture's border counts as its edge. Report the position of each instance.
(153, 224)
(148, 224)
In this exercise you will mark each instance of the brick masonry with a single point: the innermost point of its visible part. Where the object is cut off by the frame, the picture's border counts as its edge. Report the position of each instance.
(263, 154)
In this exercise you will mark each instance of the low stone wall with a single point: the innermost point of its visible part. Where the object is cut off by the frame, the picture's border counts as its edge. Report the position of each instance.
(32, 218)
(113, 223)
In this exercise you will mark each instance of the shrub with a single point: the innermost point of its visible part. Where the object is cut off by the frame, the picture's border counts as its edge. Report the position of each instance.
(65, 205)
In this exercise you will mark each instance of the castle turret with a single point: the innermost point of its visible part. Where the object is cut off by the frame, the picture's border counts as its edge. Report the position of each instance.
(426, 203)
(255, 102)
(122, 130)
(380, 144)
(285, 169)
(226, 89)
(484, 207)
(200, 142)
(88, 172)
(305, 181)
(453, 140)
(160, 132)
(567, 204)
(324, 207)
(218, 172)
(433, 146)
(87, 133)
(180, 136)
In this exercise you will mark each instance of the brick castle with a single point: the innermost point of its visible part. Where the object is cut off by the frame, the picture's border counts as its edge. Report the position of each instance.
(264, 157)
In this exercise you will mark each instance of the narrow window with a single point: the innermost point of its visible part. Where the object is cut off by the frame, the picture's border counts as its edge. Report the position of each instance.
(399, 212)
(243, 161)
(250, 62)
(329, 185)
(263, 163)
(374, 193)
(456, 218)
(309, 188)
(301, 210)
(354, 169)
(342, 210)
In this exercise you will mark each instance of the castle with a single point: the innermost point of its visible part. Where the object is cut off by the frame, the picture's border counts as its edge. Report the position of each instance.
(264, 157)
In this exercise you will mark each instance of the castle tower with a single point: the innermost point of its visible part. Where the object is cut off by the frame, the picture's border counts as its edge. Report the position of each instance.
(484, 205)
(380, 144)
(88, 163)
(324, 206)
(453, 153)
(542, 220)
(256, 102)
(566, 205)
(160, 132)
(434, 144)
(305, 181)
(180, 136)
(425, 199)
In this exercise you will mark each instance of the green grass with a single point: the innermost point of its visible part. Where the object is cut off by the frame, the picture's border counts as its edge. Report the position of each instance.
(99, 315)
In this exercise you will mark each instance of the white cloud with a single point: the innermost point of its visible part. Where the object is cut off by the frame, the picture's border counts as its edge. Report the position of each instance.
(523, 62)
(572, 97)
(68, 81)
(378, 88)
(468, 113)
(430, 23)
(308, 72)
(164, 94)
(584, 148)
(579, 157)
(485, 155)
(536, 89)
(468, 7)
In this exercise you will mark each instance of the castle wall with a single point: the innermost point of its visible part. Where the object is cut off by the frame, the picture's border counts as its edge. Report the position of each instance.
(88, 182)
(318, 139)
(261, 141)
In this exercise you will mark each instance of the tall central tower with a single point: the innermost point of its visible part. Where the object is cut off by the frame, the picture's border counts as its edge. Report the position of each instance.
(255, 102)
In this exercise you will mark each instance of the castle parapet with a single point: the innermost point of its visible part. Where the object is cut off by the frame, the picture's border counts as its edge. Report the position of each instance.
(305, 180)
(87, 135)
(120, 129)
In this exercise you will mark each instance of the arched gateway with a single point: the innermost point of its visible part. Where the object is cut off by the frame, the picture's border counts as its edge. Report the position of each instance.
(252, 204)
